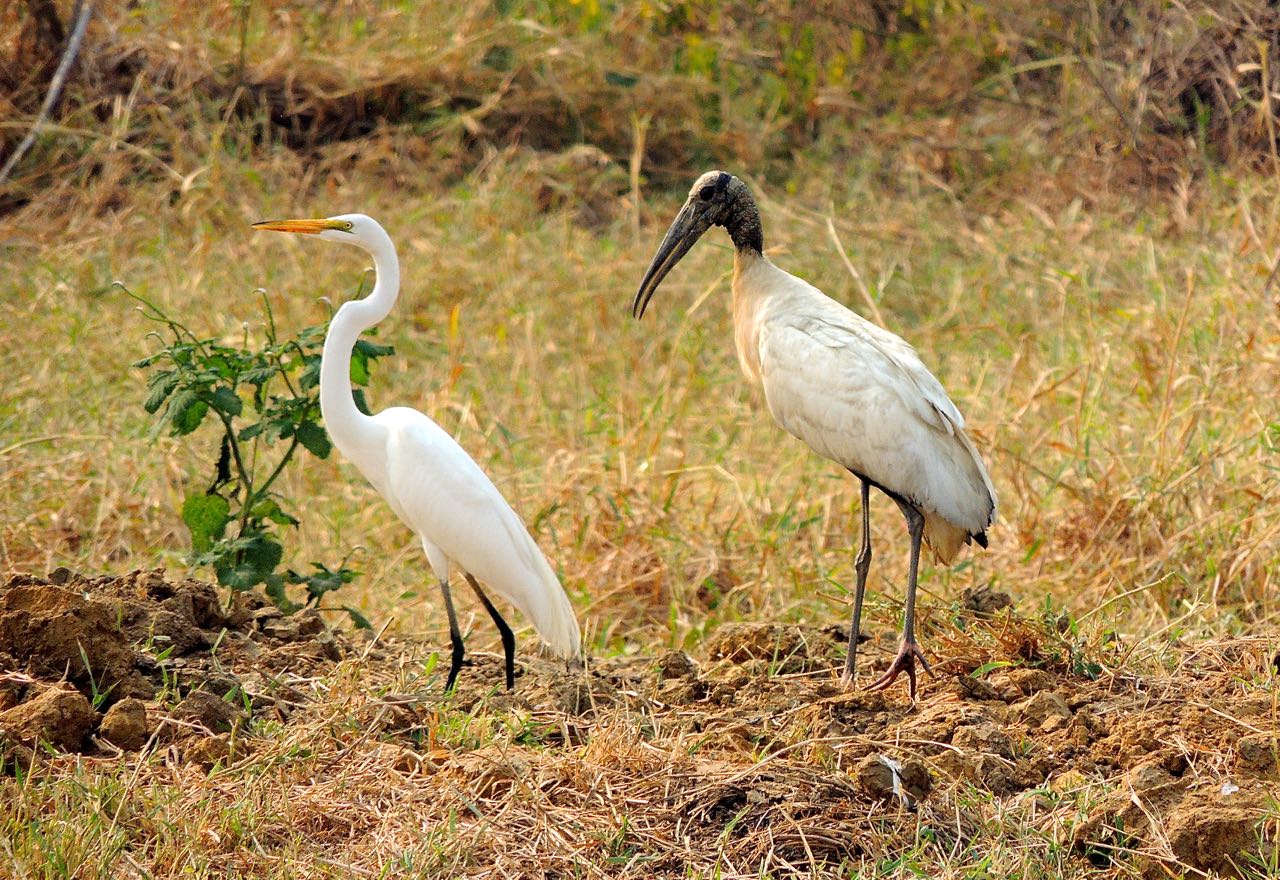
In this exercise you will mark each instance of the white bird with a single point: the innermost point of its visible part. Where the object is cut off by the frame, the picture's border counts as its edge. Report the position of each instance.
(857, 394)
(430, 482)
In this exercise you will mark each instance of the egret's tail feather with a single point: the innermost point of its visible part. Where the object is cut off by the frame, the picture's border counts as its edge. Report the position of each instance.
(554, 619)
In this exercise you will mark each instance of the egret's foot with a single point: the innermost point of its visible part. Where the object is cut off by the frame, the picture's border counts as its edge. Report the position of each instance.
(908, 653)
(455, 666)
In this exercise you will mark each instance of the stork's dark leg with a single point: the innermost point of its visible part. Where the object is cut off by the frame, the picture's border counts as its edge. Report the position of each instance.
(455, 637)
(508, 638)
(908, 650)
(862, 565)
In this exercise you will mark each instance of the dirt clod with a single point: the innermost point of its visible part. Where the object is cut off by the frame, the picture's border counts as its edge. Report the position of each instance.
(985, 600)
(208, 711)
(969, 688)
(14, 757)
(59, 715)
(753, 719)
(1257, 752)
(57, 631)
(983, 738)
(1043, 706)
(1210, 835)
(1148, 776)
(1029, 680)
(677, 664)
(126, 725)
(741, 642)
(876, 777)
(208, 751)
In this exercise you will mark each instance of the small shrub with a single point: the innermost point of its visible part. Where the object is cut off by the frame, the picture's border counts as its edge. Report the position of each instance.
(266, 404)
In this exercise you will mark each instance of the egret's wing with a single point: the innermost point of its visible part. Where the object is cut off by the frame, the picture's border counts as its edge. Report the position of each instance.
(443, 495)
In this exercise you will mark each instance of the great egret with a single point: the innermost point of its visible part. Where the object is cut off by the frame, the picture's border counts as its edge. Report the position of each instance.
(857, 394)
(430, 482)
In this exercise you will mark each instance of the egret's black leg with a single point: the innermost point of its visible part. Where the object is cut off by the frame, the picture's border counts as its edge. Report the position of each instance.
(862, 565)
(455, 637)
(908, 649)
(508, 638)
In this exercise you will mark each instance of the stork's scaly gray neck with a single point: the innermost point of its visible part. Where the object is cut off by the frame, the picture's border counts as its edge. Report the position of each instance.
(743, 222)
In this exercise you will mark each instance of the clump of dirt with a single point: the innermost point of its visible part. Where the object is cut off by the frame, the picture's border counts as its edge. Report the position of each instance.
(58, 715)
(100, 664)
(757, 742)
(985, 600)
(778, 647)
(126, 725)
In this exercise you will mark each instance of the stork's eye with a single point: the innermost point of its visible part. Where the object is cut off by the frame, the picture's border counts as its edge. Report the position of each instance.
(706, 193)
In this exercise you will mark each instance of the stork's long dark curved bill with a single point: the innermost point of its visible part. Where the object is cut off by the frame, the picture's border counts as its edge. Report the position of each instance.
(685, 231)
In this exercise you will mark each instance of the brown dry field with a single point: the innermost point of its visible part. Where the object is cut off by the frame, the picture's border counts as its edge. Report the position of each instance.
(1091, 285)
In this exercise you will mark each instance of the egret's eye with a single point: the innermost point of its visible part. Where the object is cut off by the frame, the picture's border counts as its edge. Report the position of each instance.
(706, 193)
(348, 226)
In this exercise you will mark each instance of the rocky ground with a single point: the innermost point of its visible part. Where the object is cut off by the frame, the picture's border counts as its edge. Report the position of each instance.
(756, 740)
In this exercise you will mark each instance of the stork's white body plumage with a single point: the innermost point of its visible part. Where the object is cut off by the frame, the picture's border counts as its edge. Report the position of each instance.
(431, 483)
(854, 392)
(860, 396)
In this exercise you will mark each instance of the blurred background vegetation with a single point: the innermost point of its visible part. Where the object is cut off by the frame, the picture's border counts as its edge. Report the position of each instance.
(983, 98)
(1069, 206)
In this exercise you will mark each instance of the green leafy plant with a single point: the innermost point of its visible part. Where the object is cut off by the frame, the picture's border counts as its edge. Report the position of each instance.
(265, 403)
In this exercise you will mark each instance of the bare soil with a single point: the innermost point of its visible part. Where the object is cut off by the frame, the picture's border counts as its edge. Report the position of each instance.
(756, 740)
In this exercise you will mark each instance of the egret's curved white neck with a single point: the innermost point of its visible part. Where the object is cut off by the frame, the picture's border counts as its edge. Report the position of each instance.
(345, 423)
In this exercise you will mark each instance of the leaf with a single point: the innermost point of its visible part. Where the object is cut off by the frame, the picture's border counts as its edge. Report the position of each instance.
(324, 580)
(161, 385)
(988, 667)
(357, 394)
(258, 375)
(185, 412)
(359, 367)
(357, 619)
(276, 593)
(251, 431)
(315, 439)
(254, 564)
(267, 508)
(226, 401)
(206, 515)
(310, 377)
(373, 350)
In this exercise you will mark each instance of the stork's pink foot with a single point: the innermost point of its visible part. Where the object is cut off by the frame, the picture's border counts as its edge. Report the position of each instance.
(908, 653)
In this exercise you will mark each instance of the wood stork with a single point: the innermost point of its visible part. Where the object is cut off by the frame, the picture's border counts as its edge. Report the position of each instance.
(430, 482)
(857, 394)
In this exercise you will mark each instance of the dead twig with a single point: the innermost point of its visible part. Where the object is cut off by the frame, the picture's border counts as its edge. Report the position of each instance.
(84, 10)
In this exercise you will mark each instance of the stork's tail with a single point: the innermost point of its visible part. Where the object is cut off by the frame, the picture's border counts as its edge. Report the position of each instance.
(944, 537)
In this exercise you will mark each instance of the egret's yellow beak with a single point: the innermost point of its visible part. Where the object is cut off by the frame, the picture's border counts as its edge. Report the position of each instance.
(306, 227)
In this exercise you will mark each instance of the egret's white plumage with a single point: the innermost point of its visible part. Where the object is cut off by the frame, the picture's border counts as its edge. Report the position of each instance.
(856, 393)
(431, 483)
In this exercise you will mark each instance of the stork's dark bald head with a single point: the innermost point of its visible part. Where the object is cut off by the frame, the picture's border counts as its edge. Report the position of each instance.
(717, 199)
(727, 202)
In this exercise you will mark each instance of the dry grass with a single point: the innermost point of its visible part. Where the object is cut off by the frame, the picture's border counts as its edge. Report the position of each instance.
(1112, 352)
